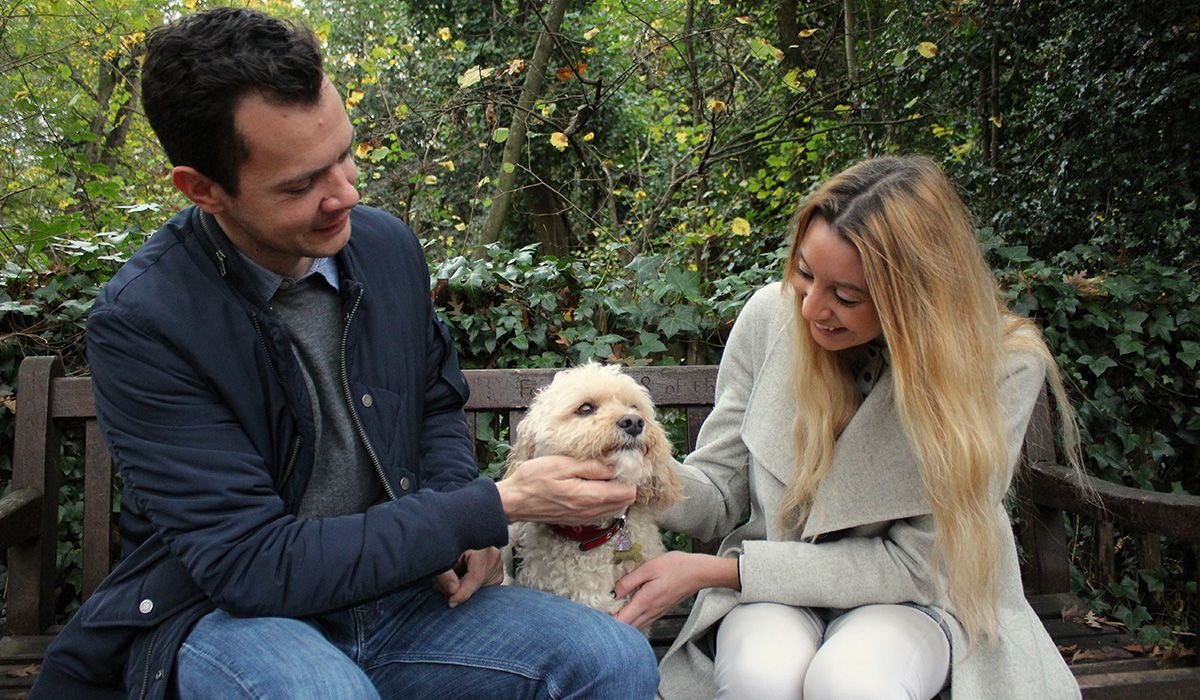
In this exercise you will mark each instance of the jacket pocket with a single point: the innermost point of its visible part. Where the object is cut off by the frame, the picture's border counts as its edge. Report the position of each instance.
(145, 589)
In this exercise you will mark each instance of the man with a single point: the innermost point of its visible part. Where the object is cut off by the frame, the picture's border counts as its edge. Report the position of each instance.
(301, 515)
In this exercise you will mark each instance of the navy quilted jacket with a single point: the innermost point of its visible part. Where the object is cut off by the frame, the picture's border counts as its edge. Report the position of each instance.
(211, 426)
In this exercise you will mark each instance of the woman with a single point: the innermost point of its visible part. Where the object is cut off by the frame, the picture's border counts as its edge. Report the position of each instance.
(877, 560)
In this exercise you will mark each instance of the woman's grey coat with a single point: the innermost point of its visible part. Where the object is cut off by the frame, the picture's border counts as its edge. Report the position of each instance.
(870, 514)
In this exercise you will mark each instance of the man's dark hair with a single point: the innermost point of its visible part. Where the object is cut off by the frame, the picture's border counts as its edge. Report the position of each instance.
(198, 67)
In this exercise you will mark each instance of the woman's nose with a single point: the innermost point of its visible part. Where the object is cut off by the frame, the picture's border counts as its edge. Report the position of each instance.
(813, 308)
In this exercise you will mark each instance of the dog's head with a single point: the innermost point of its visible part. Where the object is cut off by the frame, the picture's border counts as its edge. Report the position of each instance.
(595, 411)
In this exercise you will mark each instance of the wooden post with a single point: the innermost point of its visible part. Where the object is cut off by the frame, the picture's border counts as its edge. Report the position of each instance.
(36, 465)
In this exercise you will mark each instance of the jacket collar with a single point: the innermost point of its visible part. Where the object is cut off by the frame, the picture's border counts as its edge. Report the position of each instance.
(874, 476)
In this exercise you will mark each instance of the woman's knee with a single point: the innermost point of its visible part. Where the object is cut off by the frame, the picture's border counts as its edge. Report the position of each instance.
(763, 651)
(882, 651)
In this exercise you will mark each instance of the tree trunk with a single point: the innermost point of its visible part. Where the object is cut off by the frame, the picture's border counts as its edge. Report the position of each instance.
(851, 43)
(994, 103)
(515, 145)
(789, 34)
(550, 223)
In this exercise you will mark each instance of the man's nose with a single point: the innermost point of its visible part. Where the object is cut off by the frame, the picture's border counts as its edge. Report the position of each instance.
(342, 193)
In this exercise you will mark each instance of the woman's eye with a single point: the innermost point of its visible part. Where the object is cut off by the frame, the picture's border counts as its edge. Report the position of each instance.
(846, 302)
(585, 409)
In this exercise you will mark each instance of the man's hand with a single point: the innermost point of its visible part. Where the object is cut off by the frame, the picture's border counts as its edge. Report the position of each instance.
(563, 491)
(475, 569)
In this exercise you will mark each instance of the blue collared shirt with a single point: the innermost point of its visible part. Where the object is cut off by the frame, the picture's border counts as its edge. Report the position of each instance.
(268, 282)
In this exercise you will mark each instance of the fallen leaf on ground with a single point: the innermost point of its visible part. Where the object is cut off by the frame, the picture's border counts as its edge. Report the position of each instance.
(1101, 654)
(24, 671)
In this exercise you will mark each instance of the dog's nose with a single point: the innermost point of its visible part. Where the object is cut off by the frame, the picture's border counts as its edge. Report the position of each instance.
(632, 425)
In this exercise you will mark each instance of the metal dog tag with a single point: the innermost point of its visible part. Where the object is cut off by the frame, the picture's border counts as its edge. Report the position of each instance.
(622, 542)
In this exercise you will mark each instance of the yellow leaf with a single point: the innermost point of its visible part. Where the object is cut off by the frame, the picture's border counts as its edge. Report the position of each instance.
(590, 34)
(444, 33)
(928, 49)
(740, 227)
(354, 98)
(431, 179)
(589, 136)
(716, 106)
(362, 150)
(473, 75)
(447, 164)
(743, 19)
(996, 120)
(805, 33)
(559, 140)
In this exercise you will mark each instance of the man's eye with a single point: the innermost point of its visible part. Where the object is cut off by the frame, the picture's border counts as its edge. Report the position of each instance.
(585, 409)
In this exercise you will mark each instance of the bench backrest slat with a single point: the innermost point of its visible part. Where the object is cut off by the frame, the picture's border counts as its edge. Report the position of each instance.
(510, 392)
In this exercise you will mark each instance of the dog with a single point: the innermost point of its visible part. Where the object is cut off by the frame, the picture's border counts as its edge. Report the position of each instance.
(594, 411)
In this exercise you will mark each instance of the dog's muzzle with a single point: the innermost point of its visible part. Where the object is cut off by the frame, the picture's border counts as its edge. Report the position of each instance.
(632, 425)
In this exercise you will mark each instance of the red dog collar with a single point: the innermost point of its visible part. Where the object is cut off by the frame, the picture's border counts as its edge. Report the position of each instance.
(590, 537)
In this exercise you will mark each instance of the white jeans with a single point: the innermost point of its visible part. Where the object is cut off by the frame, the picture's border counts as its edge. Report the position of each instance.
(768, 650)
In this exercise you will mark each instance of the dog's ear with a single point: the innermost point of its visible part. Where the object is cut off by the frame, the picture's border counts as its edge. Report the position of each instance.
(524, 448)
(664, 488)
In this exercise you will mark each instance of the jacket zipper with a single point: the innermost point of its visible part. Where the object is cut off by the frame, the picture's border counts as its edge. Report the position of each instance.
(294, 453)
(217, 252)
(146, 666)
(362, 434)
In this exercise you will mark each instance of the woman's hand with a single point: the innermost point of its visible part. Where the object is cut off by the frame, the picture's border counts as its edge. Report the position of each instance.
(663, 582)
(475, 569)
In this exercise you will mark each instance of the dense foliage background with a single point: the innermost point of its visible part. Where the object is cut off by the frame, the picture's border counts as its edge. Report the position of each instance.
(612, 178)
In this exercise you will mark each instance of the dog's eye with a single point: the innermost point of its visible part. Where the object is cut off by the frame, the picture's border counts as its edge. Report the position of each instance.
(585, 409)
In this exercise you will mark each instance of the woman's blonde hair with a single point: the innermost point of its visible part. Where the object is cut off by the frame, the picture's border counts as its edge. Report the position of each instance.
(947, 333)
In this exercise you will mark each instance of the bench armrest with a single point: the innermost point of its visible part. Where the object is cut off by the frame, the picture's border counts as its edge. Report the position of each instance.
(1174, 515)
(20, 516)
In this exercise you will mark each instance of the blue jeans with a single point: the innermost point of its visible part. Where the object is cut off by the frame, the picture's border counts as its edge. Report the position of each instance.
(505, 643)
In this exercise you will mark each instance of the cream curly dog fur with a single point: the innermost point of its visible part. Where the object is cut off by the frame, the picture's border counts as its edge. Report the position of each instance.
(594, 412)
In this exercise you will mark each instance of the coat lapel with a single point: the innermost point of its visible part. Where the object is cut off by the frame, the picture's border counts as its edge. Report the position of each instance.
(874, 476)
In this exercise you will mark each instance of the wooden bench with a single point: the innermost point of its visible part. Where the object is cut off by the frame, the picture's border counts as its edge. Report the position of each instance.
(52, 408)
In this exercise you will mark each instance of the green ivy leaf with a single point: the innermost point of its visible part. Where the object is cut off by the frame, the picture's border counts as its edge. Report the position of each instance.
(1190, 354)
(1098, 365)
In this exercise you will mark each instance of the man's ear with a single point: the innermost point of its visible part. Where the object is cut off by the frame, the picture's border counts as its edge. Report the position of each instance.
(201, 189)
